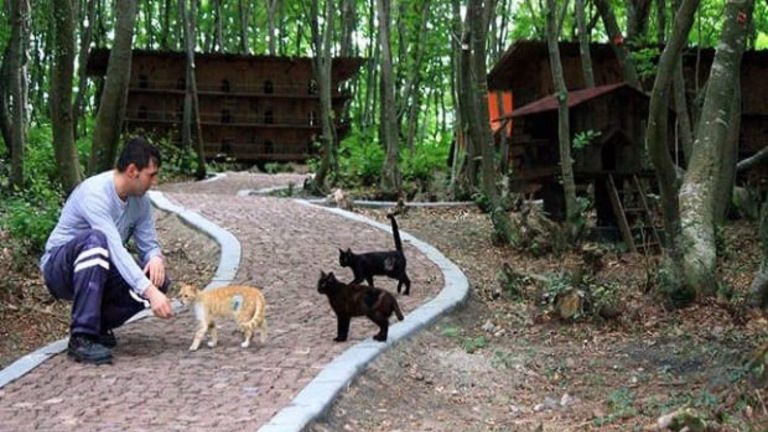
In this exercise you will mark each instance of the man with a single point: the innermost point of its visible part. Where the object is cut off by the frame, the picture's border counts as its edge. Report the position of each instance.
(86, 260)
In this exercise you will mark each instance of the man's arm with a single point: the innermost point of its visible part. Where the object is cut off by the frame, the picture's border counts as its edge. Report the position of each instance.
(145, 236)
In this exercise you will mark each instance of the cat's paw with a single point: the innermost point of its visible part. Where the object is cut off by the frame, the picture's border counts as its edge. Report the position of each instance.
(380, 338)
(194, 347)
(211, 343)
(339, 339)
(245, 344)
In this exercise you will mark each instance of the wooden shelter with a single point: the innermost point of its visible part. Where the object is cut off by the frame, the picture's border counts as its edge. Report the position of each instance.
(614, 163)
(252, 108)
(524, 70)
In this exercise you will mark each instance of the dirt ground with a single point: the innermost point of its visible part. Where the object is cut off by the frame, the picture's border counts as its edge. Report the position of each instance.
(30, 318)
(502, 362)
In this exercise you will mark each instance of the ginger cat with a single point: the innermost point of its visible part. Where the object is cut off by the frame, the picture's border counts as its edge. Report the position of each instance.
(246, 304)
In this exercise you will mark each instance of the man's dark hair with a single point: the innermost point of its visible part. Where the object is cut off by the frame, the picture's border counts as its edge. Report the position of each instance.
(138, 151)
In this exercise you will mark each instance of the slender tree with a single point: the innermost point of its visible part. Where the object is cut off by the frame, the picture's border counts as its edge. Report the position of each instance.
(563, 123)
(322, 66)
(86, 36)
(244, 12)
(272, 8)
(617, 43)
(62, 118)
(390, 179)
(19, 15)
(191, 105)
(658, 150)
(109, 118)
(586, 57)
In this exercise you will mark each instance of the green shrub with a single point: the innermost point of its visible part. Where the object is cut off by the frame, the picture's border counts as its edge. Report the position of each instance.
(361, 158)
(30, 218)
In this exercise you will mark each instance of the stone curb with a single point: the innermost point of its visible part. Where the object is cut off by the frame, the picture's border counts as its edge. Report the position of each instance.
(357, 203)
(318, 396)
(225, 273)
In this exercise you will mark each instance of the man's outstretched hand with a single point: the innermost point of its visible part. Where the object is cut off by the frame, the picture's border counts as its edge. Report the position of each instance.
(159, 302)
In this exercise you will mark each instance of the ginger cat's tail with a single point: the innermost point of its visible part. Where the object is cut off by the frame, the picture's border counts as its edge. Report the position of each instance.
(259, 319)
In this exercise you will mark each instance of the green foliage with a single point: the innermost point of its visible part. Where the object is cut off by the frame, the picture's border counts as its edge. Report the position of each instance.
(361, 158)
(604, 296)
(557, 284)
(177, 162)
(450, 331)
(621, 403)
(420, 163)
(30, 217)
(582, 139)
(645, 61)
(472, 344)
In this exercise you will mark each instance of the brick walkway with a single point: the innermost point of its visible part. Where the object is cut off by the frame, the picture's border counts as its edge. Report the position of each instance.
(156, 384)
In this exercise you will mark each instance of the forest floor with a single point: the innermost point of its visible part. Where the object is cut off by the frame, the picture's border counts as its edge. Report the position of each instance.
(502, 362)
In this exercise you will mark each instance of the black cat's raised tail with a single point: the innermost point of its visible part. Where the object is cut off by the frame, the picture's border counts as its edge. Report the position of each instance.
(396, 233)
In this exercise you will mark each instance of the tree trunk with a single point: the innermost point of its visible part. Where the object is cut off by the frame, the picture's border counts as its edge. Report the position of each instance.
(617, 43)
(149, 25)
(390, 179)
(61, 95)
(191, 104)
(86, 33)
(759, 288)
(348, 26)
(637, 18)
(586, 57)
(477, 23)
(466, 104)
(218, 42)
(457, 149)
(684, 129)
(109, 118)
(699, 188)
(6, 125)
(244, 11)
(271, 10)
(19, 14)
(166, 30)
(410, 99)
(563, 129)
(321, 45)
(658, 149)
(726, 181)
(661, 20)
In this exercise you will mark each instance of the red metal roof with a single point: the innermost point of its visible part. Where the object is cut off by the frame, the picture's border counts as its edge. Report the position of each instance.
(577, 97)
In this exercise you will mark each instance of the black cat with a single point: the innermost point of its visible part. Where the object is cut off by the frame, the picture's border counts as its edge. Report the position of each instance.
(390, 263)
(351, 300)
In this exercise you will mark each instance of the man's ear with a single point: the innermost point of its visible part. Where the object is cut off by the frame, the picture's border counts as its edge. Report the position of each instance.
(132, 171)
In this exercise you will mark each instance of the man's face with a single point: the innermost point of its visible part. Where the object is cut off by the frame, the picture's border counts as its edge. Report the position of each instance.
(142, 180)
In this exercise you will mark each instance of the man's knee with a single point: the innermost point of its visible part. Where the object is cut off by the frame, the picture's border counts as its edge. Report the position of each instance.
(95, 238)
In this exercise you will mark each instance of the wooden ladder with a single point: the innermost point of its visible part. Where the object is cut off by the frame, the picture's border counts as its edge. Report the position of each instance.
(645, 226)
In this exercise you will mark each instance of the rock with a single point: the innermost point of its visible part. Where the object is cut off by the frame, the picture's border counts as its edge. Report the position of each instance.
(488, 327)
(567, 400)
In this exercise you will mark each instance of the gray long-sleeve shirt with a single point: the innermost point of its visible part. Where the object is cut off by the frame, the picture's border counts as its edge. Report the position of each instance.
(94, 204)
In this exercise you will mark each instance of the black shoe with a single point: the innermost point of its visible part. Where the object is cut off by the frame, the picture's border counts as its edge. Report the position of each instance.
(83, 348)
(107, 338)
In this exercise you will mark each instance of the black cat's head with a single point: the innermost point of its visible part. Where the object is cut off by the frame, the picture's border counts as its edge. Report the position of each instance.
(345, 257)
(326, 282)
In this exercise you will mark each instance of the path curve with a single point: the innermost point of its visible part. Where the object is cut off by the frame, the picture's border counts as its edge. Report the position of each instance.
(280, 386)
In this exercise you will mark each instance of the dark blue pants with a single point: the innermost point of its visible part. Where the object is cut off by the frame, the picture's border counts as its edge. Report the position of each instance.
(81, 271)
